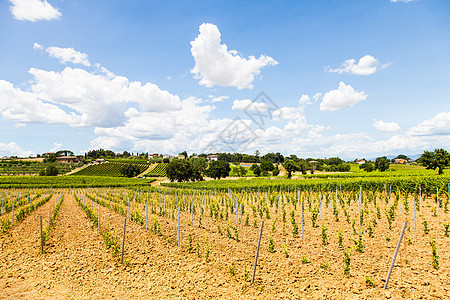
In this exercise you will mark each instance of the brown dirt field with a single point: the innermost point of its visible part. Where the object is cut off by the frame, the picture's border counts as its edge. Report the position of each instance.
(77, 264)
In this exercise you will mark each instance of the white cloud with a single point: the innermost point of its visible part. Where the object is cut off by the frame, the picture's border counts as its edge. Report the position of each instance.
(24, 107)
(304, 99)
(36, 46)
(344, 96)
(405, 1)
(366, 65)
(216, 65)
(68, 55)
(99, 99)
(56, 147)
(385, 126)
(12, 149)
(217, 99)
(437, 126)
(33, 10)
(317, 96)
(249, 105)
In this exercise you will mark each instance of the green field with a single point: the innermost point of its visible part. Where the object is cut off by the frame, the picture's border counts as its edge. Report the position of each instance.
(110, 169)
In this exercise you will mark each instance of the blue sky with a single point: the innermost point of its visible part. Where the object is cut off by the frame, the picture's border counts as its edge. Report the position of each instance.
(349, 78)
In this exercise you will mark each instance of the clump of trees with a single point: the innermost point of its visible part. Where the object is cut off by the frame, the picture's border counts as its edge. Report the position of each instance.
(130, 170)
(50, 170)
(192, 169)
(438, 159)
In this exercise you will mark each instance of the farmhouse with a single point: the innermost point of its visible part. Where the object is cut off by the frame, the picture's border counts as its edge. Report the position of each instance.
(213, 157)
(68, 159)
(400, 161)
(360, 161)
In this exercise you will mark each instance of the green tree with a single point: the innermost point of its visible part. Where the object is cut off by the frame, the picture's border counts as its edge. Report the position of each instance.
(276, 171)
(368, 166)
(267, 166)
(256, 170)
(51, 158)
(130, 170)
(50, 170)
(290, 167)
(439, 159)
(382, 164)
(218, 169)
(179, 170)
(199, 166)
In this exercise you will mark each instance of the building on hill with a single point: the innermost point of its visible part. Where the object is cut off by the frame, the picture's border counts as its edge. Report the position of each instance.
(360, 161)
(153, 156)
(212, 157)
(181, 156)
(69, 159)
(400, 161)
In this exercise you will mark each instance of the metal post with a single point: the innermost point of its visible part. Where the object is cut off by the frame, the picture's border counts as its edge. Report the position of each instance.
(257, 251)
(395, 255)
(42, 237)
(178, 216)
(123, 239)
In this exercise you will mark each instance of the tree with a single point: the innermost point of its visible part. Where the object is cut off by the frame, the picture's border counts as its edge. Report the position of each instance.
(368, 166)
(199, 166)
(179, 170)
(218, 169)
(290, 167)
(130, 170)
(51, 158)
(266, 166)
(382, 163)
(439, 159)
(50, 170)
(256, 170)
(276, 171)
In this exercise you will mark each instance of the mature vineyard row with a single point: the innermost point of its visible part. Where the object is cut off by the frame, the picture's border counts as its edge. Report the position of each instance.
(410, 184)
(69, 181)
(32, 168)
(111, 169)
(158, 171)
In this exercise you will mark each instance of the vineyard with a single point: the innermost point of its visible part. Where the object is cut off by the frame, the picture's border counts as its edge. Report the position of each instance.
(111, 169)
(31, 182)
(158, 171)
(319, 240)
(32, 168)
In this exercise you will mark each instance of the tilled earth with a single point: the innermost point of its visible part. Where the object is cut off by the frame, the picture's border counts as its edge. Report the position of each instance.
(77, 264)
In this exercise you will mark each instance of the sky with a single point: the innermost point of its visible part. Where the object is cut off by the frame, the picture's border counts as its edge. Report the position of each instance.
(323, 78)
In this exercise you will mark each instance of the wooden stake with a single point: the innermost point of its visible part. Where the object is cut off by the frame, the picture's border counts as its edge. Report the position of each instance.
(395, 255)
(241, 225)
(257, 251)
(98, 217)
(414, 208)
(146, 212)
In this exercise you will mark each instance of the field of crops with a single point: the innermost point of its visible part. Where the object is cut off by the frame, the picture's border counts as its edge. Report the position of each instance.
(32, 168)
(111, 169)
(158, 171)
(317, 242)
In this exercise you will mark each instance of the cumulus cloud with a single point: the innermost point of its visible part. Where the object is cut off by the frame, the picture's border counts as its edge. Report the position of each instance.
(10, 149)
(216, 65)
(249, 105)
(24, 107)
(33, 10)
(366, 65)
(345, 96)
(385, 126)
(439, 125)
(65, 55)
